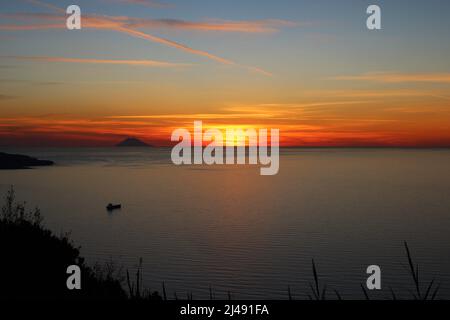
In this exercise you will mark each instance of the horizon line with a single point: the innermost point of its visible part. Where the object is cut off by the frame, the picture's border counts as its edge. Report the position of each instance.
(150, 146)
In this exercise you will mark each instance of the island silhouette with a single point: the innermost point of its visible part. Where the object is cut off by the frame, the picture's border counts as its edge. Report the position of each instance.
(132, 142)
(18, 161)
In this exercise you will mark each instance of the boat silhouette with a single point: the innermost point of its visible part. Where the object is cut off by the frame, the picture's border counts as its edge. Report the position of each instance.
(111, 207)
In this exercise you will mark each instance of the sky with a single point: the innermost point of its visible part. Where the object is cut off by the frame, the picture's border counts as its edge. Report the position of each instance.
(141, 68)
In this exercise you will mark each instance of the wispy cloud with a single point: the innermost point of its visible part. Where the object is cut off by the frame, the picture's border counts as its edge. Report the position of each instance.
(115, 24)
(381, 94)
(145, 63)
(6, 97)
(443, 111)
(173, 44)
(297, 128)
(16, 27)
(391, 77)
(119, 24)
(216, 25)
(146, 3)
(30, 82)
(286, 113)
(248, 26)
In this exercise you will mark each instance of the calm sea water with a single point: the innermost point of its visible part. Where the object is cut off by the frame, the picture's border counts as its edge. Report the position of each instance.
(234, 230)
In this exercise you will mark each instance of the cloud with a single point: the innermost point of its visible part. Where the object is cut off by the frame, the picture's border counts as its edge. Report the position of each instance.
(15, 27)
(5, 97)
(418, 110)
(216, 25)
(250, 113)
(116, 24)
(380, 94)
(146, 3)
(173, 44)
(317, 128)
(252, 26)
(29, 82)
(145, 63)
(386, 77)
(119, 24)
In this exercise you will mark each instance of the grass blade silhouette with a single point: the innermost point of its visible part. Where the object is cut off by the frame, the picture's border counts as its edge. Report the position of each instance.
(366, 295)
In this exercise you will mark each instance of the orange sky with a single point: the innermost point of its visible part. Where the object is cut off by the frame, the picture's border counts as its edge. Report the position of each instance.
(135, 71)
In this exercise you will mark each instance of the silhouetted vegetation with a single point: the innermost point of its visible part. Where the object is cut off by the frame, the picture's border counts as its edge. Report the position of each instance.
(34, 261)
(318, 292)
(136, 290)
(431, 290)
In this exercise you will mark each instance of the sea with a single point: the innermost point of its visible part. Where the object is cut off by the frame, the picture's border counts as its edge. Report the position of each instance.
(227, 231)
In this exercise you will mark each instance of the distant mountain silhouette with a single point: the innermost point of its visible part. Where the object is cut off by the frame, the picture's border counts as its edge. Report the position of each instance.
(132, 142)
(17, 161)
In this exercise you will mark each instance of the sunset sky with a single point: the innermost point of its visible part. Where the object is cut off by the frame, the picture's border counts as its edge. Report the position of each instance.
(144, 68)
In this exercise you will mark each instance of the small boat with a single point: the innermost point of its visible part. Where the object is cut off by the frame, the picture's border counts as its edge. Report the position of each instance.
(111, 207)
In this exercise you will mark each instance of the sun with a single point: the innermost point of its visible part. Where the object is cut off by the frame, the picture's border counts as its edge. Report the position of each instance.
(235, 135)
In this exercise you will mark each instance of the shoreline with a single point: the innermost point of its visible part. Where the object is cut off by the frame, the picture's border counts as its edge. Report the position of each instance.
(10, 161)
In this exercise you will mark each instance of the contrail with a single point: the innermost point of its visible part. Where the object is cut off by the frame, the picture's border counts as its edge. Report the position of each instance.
(118, 27)
(142, 35)
(146, 63)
